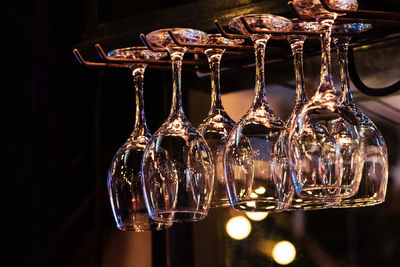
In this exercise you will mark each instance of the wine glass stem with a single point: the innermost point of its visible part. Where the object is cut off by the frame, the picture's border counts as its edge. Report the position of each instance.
(342, 45)
(176, 58)
(214, 60)
(296, 43)
(140, 118)
(259, 47)
(326, 83)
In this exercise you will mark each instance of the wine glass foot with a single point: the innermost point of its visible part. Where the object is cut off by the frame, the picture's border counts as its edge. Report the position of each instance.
(222, 203)
(359, 203)
(144, 227)
(328, 193)
(314, 204)
(261, 205)
(179, 216)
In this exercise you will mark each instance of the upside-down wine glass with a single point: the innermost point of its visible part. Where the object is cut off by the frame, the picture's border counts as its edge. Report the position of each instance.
(325, 148)
(248, 157)
(372, 189)
(124, 182)
(177, 167)
(216, 127)
(281, 148)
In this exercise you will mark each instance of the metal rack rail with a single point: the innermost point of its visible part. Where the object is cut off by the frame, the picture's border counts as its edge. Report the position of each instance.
(379, 19)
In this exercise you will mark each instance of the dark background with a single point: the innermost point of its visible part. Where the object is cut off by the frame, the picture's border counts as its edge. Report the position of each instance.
(62, 124)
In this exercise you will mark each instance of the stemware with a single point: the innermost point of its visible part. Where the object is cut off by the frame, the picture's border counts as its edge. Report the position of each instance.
(314, 8)
(281, 148)
(372, 189)
(325, 148)
(177, 167)
(124, 185)
(216, 127)
(248, 156)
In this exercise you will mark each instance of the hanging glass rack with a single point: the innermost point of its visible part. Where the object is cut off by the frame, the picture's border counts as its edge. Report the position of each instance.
(386, 26)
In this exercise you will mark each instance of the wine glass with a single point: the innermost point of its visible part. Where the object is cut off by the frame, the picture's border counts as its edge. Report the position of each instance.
(216, 127)
(281, 149)
(248, 156)
(177, 167)
(372, 189)
(325, 147)
(315, 9)
(124, 185)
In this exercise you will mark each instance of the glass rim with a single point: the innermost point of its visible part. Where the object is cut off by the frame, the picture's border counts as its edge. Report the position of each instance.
(132, 49)
(286, 22)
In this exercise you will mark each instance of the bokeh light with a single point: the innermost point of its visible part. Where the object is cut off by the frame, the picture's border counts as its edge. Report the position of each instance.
(284, 252)
(238, 227)
(256, 216)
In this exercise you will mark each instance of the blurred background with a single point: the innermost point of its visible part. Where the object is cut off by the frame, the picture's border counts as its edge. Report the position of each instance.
(65, 122)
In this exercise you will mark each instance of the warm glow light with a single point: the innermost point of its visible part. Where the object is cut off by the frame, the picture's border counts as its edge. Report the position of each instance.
(344, 140)
(256, 216)
(283, 252)
(251, 204)
(238, 227)
(261, 190)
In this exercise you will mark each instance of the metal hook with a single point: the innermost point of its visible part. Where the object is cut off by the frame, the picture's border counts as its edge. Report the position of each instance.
(229, 35)
(207, 46)
(276, 33)
(150, 46)
(96, 64)
(355, 78)
(104, 56)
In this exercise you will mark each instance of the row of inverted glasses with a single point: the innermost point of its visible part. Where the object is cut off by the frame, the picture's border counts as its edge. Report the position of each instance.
(124, 177)
(187, 157)
(215, 128)
(372, 189)
(360, 168)
(257, 159)
(374, 172)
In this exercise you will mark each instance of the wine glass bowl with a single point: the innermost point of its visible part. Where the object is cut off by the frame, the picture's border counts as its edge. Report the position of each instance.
(216, 127)
(325, 149)
(124, 182)
(249, 164)
(177, 167)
